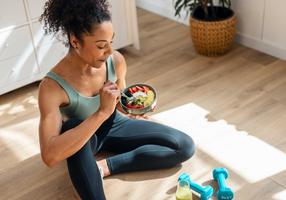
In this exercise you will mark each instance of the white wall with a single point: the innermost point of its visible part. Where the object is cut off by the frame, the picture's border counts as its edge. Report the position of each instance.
(161, 7)
(261, 23)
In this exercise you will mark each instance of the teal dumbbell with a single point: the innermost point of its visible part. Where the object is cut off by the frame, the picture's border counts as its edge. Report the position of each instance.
(224, 193)
(205, 192)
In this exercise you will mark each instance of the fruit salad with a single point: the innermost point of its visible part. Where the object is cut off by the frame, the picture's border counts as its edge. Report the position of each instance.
(144, 97)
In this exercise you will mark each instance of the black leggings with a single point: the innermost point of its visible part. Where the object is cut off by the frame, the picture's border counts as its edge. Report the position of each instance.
(138, 144)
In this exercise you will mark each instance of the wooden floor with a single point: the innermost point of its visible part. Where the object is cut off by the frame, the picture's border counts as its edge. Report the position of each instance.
(243, 92)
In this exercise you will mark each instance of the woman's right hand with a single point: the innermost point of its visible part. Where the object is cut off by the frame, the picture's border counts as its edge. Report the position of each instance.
(109, 95)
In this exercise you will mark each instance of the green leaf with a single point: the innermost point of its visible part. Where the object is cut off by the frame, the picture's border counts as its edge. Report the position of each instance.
(190, 5)
(177, 2)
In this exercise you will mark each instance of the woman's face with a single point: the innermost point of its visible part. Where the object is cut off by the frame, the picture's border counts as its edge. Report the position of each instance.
(96, 46)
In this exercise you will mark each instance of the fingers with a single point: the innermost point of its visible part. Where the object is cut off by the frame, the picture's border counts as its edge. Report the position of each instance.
(108, 82)
(153, 109)
(145, 117)
(110, 86)
(112, 89)
(115, 92)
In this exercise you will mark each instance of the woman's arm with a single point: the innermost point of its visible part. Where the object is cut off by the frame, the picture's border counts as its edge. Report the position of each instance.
(121, 70)
(56, 147)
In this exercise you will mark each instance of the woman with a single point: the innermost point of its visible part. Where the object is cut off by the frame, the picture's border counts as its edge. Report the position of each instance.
(78, 101)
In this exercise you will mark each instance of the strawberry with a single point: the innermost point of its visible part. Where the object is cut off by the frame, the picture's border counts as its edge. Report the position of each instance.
(134, 89)
(146, 89)
(134, 106)
(140, 88)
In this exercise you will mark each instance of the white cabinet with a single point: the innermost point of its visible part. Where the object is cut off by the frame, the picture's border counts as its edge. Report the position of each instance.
(49, 49)
(262, 25)
(26, 54)
(14, 42)
(118, 9)
(49, 55)
(17, 56)
(12, 13)
(18, 68)
(16, 49)
(36, 8)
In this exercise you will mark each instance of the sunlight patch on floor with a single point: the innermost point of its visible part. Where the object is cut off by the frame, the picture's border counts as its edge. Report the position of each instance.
(20, 139)
(280, 195)
(16, 109)
(246, 155)
(4, 107)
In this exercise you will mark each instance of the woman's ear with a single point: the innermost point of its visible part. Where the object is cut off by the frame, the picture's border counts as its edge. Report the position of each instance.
(74, 41)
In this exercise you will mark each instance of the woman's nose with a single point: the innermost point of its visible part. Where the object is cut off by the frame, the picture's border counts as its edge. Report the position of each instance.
(109, 50)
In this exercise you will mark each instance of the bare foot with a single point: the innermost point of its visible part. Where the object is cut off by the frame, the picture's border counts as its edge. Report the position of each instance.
(104, 167)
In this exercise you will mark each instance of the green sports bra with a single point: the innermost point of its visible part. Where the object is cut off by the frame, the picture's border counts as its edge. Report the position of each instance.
(80, 106)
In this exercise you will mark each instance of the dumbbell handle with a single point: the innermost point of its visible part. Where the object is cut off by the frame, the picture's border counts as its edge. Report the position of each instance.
(205, 192)
(196, 187)
(221, 181)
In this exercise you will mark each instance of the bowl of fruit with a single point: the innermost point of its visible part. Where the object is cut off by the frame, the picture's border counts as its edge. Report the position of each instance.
(138, 99)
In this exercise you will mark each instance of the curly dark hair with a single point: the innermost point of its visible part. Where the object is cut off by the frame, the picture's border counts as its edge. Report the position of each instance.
(64, 17)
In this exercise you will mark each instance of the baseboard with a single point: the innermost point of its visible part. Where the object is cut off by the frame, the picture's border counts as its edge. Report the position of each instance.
(165, 8)
(262, 46)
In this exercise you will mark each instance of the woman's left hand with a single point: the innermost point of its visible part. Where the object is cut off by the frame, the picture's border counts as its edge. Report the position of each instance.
(144, 116)
(132, 116)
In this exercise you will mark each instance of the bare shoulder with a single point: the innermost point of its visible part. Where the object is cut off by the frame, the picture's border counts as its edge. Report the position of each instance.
(119, 62)
(48, 85)
(50, 94)
(120, 68)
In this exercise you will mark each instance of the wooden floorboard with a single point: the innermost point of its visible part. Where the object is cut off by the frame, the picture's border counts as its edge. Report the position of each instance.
(244, 88)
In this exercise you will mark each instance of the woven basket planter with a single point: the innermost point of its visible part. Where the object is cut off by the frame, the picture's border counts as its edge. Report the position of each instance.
(213, 38)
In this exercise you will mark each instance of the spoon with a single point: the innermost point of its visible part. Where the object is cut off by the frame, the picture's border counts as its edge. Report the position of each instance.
(127, 97)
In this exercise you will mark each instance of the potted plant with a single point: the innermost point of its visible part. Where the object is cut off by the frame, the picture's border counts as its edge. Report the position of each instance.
(212, 27)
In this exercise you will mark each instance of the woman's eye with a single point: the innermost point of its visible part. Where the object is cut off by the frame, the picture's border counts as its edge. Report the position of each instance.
(101, 47)
(104, 46)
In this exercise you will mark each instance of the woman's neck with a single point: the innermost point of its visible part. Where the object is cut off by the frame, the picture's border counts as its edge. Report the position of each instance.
(77, 65)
